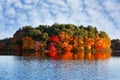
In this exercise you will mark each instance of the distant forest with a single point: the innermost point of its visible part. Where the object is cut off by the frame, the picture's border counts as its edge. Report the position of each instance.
(66, 37)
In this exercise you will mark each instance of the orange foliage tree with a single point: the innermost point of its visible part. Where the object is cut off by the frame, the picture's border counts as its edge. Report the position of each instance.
(64, 36)
(88, 43)
(28, 43)
(102, 42)
(78, 43)
(65, 41)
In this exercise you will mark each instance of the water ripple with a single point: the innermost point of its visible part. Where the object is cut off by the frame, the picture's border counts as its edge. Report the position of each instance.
(33, 68)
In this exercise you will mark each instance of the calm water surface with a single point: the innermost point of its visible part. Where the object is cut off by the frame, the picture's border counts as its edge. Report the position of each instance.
(34, 68)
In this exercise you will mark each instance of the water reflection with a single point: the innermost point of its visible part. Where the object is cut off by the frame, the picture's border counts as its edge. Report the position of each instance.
(68, 55)
(70, 66)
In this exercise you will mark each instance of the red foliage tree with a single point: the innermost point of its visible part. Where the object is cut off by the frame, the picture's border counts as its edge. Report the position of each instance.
(54, 38)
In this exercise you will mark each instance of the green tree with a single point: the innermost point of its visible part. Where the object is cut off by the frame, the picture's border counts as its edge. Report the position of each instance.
(91, 31)
(35, 34)
(103, 34)
(70, 26)
(43, 28)
(80, 32)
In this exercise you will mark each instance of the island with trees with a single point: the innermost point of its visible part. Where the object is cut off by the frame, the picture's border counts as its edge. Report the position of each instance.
(58, 37)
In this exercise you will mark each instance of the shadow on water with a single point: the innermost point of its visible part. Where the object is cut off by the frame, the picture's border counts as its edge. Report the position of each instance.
(116, 53)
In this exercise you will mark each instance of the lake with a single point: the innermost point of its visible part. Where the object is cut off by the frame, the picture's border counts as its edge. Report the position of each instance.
(37, 68)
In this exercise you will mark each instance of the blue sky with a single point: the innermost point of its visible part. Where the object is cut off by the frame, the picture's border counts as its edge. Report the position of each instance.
(103, 14)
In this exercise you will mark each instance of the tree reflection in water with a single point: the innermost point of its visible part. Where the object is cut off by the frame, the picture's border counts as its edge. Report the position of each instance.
(68, 55)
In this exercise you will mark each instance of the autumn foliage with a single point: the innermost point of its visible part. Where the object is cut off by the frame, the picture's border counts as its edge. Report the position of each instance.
(28, 43)
(61, 37)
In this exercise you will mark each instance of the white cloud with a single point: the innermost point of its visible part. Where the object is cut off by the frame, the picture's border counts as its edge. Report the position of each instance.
(28, 1)
(113, 9)
(9, 2)
(28, 7)
(11, 22)
(112, 5)
(31, 1)
(60, 18)
(2, 25)
(104, 15)
(93, 4)
(1, 8)
(74, 5)
(34, 17)
(57, 2)
(10, 12)
(22, 19)
(1, 17)
(116, 17)
(18, 5)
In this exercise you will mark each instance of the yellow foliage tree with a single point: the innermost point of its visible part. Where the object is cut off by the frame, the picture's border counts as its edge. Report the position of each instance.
(107, 43)
(64, 36)
(102, 43)
(78, 43)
